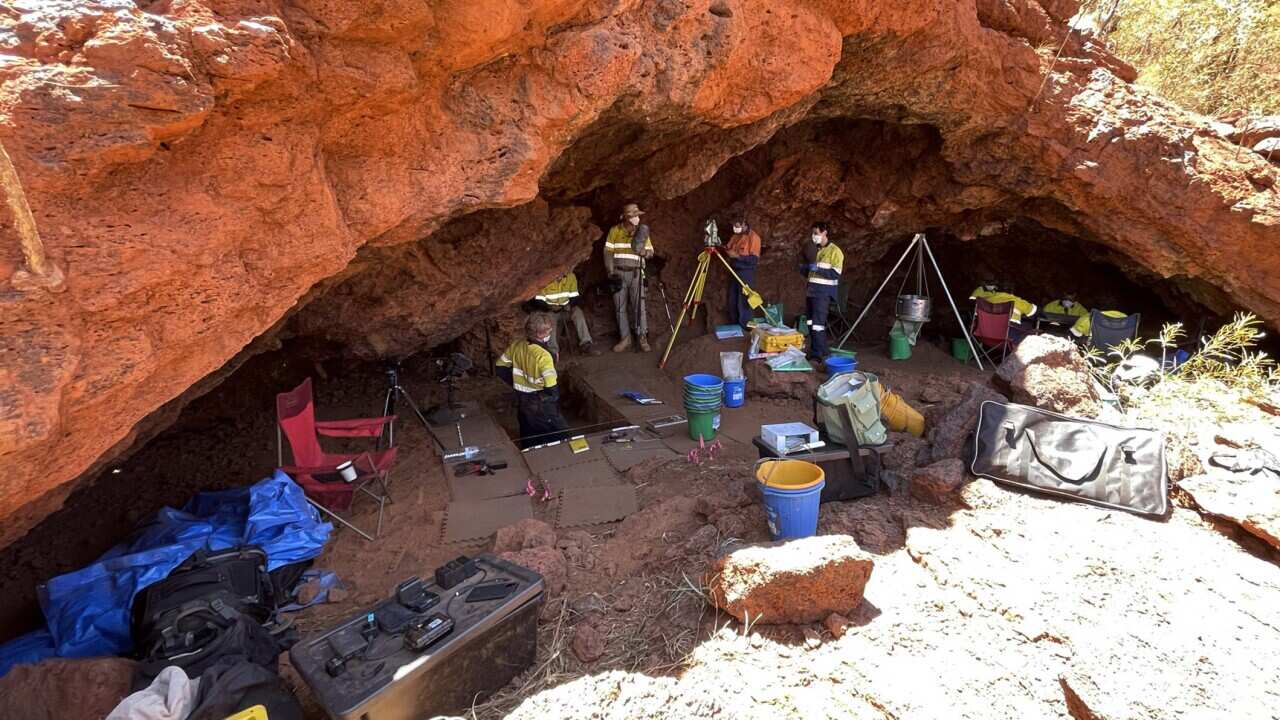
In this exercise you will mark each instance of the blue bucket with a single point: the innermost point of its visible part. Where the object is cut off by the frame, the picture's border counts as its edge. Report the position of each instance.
(792, 491)
(735, 392)
(703, 393)
(837, 364)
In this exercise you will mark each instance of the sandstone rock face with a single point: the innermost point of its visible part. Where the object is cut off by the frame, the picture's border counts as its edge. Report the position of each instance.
(203, 170)
(948, 436)
(546, 561)
(790, 581)
(938, 483)
(1049, 372)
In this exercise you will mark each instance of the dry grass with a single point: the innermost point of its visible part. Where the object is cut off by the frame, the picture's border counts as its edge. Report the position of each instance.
(1211, 56)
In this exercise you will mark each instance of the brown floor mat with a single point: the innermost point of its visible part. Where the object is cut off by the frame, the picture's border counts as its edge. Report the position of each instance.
(595, 505)
(588, 474)
(624, 456)
(469, 520)
(478, 428)
(540, 460)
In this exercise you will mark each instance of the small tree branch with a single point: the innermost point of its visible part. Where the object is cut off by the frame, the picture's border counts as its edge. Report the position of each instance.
(40, 271)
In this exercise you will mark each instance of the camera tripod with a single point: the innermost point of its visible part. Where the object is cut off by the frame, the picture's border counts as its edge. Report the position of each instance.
(394, 391)
(693, 297)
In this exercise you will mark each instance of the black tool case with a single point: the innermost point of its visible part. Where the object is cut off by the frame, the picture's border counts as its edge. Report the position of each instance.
(491, 642)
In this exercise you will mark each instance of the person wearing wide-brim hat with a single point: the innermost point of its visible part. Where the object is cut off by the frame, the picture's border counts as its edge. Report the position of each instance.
(626, 248)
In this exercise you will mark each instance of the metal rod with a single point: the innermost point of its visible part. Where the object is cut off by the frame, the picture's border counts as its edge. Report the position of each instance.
(964, 329)
(876, 294)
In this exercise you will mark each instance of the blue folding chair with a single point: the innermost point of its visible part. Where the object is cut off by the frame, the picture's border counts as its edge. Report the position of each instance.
(1106, 332)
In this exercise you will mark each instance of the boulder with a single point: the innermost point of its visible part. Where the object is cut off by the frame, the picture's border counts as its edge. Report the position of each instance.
(528, 533)
(1050, 372)
(1269, 148)
(938, 483)
(948, 436)
(1250, 501)
(546, 561)
(765, 383)
(790, 581)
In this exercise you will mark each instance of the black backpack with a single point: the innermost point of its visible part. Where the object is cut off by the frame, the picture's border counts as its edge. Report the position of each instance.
(237, 577)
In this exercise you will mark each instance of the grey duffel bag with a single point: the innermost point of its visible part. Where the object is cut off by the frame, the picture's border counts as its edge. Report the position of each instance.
(1121, 468)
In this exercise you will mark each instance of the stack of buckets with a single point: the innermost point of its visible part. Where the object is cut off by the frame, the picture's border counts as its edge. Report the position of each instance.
(702, 398)
(792, 491)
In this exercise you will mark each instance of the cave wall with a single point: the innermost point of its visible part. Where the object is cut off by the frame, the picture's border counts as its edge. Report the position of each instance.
(200, 169)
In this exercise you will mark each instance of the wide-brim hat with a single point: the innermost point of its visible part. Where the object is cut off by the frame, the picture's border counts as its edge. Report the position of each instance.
(631, 210)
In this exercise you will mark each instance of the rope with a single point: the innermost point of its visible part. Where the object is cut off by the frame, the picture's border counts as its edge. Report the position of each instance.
(1070, 29)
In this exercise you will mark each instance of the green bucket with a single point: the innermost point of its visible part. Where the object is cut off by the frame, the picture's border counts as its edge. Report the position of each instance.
(960, 349)
(899, 347)
(702, 425)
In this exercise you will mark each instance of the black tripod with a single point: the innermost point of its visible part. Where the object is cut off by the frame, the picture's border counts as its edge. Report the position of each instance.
(396, 390)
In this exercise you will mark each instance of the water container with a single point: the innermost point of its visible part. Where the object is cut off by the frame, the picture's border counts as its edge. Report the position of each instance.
(735, 393)
(837, 364)
(792, 490)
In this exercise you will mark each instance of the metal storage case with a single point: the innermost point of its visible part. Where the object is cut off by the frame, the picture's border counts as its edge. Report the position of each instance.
(491, 642)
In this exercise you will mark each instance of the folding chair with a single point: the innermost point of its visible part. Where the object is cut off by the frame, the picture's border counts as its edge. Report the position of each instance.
(317, 471)
(1106, 332)
(991, 328)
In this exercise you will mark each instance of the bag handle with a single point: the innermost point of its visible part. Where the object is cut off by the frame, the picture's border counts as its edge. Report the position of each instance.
(1031, 440)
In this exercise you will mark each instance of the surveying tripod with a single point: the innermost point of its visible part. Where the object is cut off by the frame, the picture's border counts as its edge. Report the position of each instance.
(693, 297)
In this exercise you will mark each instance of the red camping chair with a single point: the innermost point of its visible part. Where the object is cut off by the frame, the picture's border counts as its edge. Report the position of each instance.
(317, 471)
(991, 328)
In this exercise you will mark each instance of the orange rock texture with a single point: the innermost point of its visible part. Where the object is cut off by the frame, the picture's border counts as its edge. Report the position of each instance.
(199, 169)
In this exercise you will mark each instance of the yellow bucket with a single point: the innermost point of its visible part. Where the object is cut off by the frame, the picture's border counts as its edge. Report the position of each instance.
(789, 474)
(900, 416)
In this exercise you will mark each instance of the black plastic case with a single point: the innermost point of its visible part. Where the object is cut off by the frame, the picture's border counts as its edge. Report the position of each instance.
(491, 642)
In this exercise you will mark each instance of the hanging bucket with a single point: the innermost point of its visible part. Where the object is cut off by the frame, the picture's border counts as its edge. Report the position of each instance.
(960, 350)
(899, 347)
(792, 490)
(735, 393)
(837, 364)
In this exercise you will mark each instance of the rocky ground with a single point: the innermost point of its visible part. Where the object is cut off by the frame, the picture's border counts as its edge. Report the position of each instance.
(980, 601)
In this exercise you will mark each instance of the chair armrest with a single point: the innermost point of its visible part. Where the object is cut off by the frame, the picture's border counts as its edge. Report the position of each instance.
(359, 427)
(308, 470)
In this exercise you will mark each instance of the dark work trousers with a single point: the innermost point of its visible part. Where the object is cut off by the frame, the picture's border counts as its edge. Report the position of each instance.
(540, 418)
(735, 302)
(816, 308)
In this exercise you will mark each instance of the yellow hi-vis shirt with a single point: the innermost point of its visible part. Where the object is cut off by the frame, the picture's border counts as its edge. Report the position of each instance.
(618, 246)
(1057, 307)
(532, 368)
(1084, 324)
(1021, 308)
(824, 275)
(559, 292)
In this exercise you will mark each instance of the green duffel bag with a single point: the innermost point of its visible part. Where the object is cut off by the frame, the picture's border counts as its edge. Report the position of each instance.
(847, 407)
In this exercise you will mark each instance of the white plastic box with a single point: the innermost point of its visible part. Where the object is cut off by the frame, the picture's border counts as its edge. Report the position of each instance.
(784, 436)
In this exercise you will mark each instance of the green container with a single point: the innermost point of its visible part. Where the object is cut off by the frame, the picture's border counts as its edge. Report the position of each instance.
(702, 425)
(960, 349)
(899, 347)
(802, 325)
(771, 312)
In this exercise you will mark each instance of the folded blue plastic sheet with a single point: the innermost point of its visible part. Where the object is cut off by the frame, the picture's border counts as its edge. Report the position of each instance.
(87, 611)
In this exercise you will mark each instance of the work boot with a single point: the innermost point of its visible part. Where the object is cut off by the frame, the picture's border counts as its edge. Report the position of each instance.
(589, 349)
(623, 345)
(644, 343)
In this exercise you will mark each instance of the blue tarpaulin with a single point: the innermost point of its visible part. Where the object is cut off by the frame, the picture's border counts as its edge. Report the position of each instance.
(87, 611)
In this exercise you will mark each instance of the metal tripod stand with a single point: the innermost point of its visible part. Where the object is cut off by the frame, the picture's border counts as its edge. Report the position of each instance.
(693, 297)
(394, 391)
(920, 246)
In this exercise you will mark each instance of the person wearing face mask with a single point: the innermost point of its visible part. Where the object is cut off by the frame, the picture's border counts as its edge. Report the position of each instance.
(743, 250)
(625, 249)
(527, 366)
(824, 263)
(1065, 307)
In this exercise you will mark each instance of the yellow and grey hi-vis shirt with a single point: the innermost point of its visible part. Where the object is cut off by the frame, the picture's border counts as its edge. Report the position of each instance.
(559, 292)
(532, 368)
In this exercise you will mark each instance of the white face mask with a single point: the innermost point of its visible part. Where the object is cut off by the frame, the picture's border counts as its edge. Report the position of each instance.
(1068, 303)
(737, 229)
(634, 220)
(817, 238)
